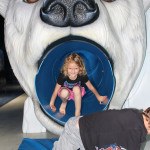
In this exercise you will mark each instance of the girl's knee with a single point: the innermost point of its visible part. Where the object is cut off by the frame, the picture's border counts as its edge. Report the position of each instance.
(64, 93)
(77, 90)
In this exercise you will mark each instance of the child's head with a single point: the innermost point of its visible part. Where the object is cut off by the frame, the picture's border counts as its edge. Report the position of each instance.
(73, 58)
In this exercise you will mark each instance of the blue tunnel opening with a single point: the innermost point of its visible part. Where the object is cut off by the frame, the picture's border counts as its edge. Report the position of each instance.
(99, 71)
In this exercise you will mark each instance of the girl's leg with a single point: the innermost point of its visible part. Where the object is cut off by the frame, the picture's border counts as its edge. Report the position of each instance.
(77, 99)
(64, 95)
(62, 108)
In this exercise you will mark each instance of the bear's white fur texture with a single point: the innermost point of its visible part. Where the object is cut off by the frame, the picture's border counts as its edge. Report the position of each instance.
(120, 29)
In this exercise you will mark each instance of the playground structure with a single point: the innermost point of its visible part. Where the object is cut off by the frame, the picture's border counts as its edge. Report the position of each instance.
(123, 41)
(98, 69)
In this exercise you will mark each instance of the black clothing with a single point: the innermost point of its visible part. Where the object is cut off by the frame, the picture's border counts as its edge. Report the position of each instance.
(121, 128)
(66, 82)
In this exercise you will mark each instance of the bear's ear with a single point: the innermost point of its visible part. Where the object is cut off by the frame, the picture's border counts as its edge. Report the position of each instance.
(3, 7)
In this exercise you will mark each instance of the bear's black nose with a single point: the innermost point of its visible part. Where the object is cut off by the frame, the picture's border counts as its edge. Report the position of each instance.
(63, 13)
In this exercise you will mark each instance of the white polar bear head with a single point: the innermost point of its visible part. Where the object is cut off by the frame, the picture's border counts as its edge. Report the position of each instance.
(117, 25)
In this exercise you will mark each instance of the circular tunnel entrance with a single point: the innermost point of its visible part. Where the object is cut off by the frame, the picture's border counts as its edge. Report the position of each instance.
(99, 71)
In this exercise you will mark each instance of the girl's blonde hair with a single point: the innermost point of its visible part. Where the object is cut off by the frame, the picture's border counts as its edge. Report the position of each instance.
(76, 59)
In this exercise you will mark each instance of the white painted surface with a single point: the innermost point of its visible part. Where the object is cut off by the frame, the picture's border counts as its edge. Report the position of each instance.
(30, 121)
(140, 94)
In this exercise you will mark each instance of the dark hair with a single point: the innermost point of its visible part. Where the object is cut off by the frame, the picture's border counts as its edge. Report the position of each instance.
(146, 112)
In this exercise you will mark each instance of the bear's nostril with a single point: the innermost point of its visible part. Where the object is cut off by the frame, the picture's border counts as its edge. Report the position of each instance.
(57, 13)
(55, 9)
(84, 13)
(79, 10)
(62, 13)
(54, 14)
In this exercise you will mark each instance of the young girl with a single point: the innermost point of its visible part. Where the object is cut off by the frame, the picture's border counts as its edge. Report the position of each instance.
(71, 85)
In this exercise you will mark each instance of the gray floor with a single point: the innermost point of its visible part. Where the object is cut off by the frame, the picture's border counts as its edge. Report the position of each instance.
(11, 135)
(11, 116)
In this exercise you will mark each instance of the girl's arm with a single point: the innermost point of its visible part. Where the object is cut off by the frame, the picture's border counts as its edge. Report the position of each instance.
(95, 92)
(54, 95)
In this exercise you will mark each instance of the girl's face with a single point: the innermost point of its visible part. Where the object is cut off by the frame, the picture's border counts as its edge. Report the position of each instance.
(73, 70)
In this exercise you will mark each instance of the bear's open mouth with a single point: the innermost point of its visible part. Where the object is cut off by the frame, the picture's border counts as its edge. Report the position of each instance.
(98, 69)
(71, 38)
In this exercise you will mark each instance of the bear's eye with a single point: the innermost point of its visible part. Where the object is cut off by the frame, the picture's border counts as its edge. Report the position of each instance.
(109, 0)
(30, 1)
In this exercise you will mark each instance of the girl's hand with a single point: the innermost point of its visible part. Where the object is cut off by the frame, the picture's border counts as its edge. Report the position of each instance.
(103, 99)
(52, 107)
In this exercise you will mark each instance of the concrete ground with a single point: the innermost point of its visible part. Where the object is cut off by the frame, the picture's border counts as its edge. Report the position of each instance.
(11, 116)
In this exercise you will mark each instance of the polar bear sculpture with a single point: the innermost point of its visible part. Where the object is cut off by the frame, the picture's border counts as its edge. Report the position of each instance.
(117, 25)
